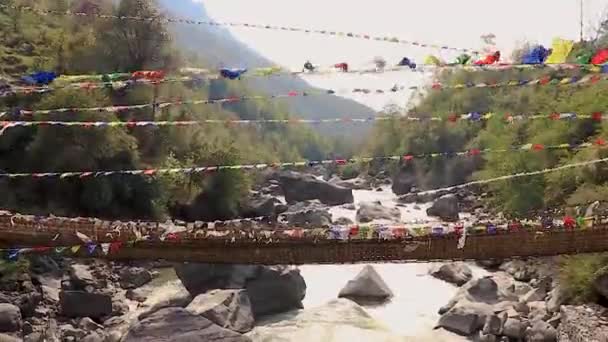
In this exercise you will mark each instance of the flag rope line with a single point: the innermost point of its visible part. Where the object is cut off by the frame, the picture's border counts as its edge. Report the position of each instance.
(600, 142)
(333, 33)
(469, 117)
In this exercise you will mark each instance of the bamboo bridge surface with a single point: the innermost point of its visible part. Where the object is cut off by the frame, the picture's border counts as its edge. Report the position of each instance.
(306, 251)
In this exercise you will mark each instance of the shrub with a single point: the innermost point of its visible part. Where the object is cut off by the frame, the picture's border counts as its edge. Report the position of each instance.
(577, 274)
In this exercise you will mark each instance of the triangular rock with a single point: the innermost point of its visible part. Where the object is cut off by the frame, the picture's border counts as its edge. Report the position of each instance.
(367, 288)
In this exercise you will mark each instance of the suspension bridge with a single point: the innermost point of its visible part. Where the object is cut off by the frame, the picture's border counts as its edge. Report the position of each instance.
(275, 244)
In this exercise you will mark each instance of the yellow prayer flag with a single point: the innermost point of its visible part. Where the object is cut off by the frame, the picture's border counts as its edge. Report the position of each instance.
(561, 50)
(432, 60)
(75, 249)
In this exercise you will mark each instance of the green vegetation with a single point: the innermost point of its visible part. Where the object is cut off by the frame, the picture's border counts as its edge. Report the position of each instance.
(520, 196)
(29, 42)
(577, 274)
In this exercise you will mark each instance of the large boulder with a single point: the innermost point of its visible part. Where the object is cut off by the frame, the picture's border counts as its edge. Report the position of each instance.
(10, 318)
(134, 277)
(367, 288)
(85, 304)
(465, 319)
(403, 182)
(175, 295)
(556, 299)
(276, 289)
(200, 278)
(81, 276)
(261, 205)
(600, 284)
(9, 338)
(307, 213)
(541, 332)
(230, 309)
(368, 212)
(456, 273)
(299, 187)
(270, 289)
(445, 207)
(515, 328)
(354, 183)
(179, 325)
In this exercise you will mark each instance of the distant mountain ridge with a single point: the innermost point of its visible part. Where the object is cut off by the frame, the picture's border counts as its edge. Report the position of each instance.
(219, 46)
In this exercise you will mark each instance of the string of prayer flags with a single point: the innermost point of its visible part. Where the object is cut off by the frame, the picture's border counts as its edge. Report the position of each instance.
(599, 142)
(341, 34)
(452, 118)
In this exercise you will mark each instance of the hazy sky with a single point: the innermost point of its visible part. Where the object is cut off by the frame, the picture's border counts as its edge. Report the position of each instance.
(447, 22)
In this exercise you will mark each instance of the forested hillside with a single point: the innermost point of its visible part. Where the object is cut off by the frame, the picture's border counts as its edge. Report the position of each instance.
(522, 195)
(72, 45)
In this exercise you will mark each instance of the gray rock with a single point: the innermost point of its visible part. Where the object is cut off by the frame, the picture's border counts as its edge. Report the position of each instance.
(27, 328)
(491, 264)
(600, 284)
(33, 337)
(403, 181)
(515, 328)
(556, 299)
(482, 337)
(84, 304)
(93, 337)
(67, 330)
(81, 276)
(88, 324)
(299, 187)
(179, 325)
(534, 295)
(345, 221)
(276, 289)
(520, 289)
(135, 295)
(538, 311)
(493, 325)
(230, 309)
(367, 288)
(445, 207)
(200, 278)
(256, 206)
(368, 212)
(484, 290)
(179, 297)
(354, 183)
(10, 318)
(465, 319)
(455, 273)
(134, 277)
(307, 213)
(28, 303)
(9, 338)
(541, 332)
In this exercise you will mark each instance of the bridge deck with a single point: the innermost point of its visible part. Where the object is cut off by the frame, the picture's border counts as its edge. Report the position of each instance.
(518, 244)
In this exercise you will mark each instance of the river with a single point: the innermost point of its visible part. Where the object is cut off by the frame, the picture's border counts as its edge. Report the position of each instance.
(418, 296)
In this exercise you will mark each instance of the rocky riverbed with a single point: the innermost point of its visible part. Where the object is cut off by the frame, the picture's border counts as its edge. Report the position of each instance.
(99, 301)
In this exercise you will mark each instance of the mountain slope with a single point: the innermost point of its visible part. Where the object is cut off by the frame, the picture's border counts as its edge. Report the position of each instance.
(217, 46)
